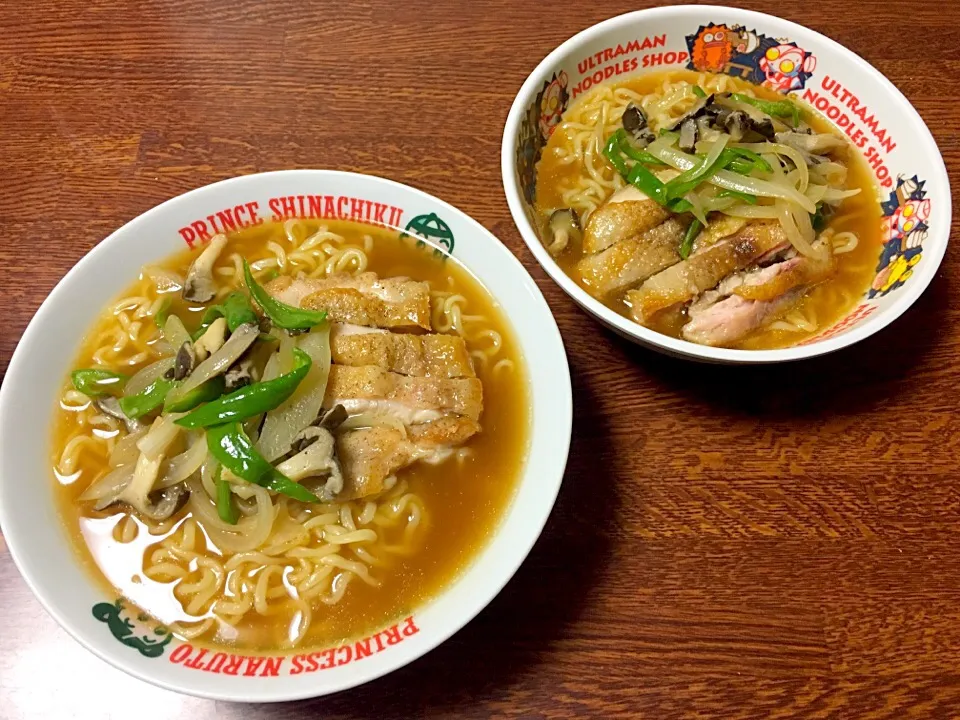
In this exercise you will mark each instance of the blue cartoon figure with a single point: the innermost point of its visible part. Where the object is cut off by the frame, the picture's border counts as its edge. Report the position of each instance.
(906, 214)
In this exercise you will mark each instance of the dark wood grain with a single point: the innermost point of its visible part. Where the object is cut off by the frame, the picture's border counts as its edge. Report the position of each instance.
(728, 543)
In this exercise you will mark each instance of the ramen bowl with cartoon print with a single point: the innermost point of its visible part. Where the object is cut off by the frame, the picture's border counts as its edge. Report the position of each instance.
(282, 435)
(724, 185)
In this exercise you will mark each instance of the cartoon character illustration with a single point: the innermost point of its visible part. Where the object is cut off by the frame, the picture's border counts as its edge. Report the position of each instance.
(552, 102)
(906, 214)
(743, 53)
(430, 229)
(148, 642)
(539, 122)
(529, 147)
(712, 48)
(783, 66)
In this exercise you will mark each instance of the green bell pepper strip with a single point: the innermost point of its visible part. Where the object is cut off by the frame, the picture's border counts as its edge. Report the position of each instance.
(161, 317)
(745, 197)
(236, 309)
(647, 183)
(615, 154)
(699, 91)
(280, 314)
(687, 244)
(757, 162)
(695, 176)
(776, 108)
(93, 382)
(225, 507)
(147, 400)
(210, 390)
(819, 218)
(229, 444)
(251, 400)
(623, 142)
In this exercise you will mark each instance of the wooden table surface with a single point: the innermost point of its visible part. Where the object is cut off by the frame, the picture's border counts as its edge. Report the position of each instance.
(731, 543)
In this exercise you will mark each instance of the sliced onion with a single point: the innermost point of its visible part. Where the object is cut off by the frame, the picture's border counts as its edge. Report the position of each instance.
(125, 450)
(696, 206)
(109, 486)
(284, 423)
(180, 467)
(753, 211)
(164, 280)
(175, 333)
(834, 196)
(730, 180)
(794, 234)
(147, 375)
(249, 533)
(241, 339)
(162, 433)
(714, 203)
(761, 188)
(796, 157)
(830, 173)
(816, 192)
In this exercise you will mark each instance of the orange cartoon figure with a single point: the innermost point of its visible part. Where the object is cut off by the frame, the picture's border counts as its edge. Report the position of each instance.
(713, 48)
(783, 66)
(553, 101)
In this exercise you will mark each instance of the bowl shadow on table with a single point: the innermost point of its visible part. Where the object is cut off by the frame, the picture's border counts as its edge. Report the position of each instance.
(851, 381)
(534, 611)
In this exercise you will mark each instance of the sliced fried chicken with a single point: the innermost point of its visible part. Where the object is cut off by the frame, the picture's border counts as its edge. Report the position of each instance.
(363, 299)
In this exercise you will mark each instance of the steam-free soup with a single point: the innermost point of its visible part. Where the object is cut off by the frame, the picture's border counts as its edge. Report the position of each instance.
(390, 432)
(710, 209)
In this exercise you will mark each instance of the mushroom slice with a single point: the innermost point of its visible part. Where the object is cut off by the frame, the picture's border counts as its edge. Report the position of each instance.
(635, 123)
(564, 225)
(701, 106)
(689, 133)
(185, 361)
(813, 144)
(199, 286)
(239, 375)
(220, 361)
(211, 340)
(111, 406)
(163, 504)
(333, 418)
(139, 493)
(318, 459)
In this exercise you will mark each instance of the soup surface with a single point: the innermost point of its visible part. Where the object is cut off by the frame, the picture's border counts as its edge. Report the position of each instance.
(575, 173)
(293, 573)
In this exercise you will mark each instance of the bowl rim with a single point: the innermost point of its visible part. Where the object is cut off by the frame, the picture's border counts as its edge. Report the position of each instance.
(442, 630)
(905, 297)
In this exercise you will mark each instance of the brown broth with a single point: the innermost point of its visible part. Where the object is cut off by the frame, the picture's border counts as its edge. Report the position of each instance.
(826, 303)
(463, 502)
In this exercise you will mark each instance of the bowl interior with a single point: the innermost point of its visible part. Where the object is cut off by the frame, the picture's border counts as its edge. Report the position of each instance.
(908, 170)
(36, 534)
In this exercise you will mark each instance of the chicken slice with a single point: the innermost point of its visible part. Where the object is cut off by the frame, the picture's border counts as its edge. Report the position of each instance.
(633, 260)
(371, 455)
(771, 282)
(626, 214)
(363, 299)
(410, 399)
(704, 269)
(727, 321)
(442, 356)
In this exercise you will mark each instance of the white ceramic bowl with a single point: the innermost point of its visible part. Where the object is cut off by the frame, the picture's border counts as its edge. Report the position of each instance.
(36, 535)
(909, 169)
